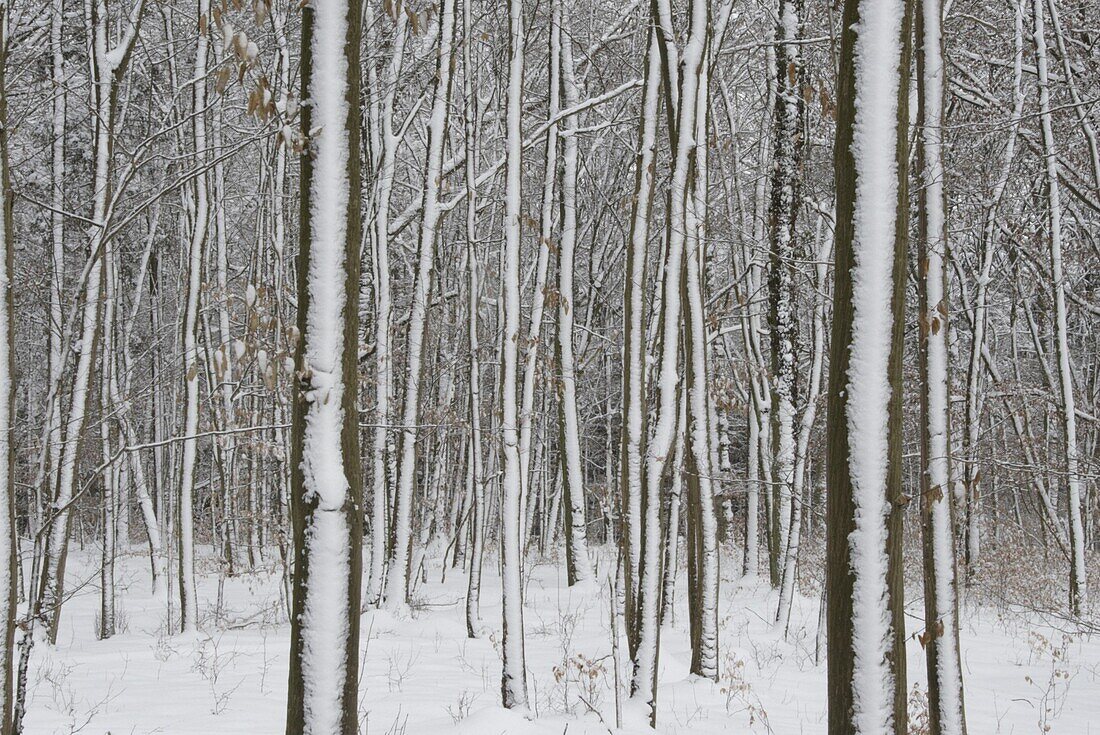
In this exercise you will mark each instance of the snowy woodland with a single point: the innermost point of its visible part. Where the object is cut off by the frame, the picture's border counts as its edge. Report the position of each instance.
(531, 367)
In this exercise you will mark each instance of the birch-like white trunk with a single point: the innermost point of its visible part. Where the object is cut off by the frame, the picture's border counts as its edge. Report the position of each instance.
(397, 575)
(530, 346)
(514, 670)
(188, 591)
(941, 620)
(383, 323)
(578, 563)
(979, 309)
(659, 449)
(631, 451)
(108, 65)
(1078, 588)
(698, 416)
(9, 541)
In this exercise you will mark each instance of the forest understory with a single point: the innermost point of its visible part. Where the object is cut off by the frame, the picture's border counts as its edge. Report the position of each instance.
(1026, 671)
(550, 366)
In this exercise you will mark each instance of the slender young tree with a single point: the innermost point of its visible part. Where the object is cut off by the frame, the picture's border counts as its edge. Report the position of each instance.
(109, 506)
(475, 470)
(805, 432)
(397, 576)
(513, 685)
(941, 619)
(383, 319)
(684, 139)
(1078, 587)
(9, 542)
(785, 192)
(864, 585)
(326, 486)
(578, 563)
(698, 428)
(108, 65)
(530, 346)
(196, 248)
(632, 450)
(57, 228)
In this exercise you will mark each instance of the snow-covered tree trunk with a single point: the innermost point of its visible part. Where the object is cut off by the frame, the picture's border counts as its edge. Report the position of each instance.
(578, 564)
(941, 610)
(1078, 589)
(750, 566)
(326, 482)
(785, 193)
(805, 431)
(671, 554)
(109, 474)
(513, 685)
(383, 319)
(866, 653)
(108, 65)
(475, 470)
(530, 346)
(9, 541)
(196, 247)
(633, 433)
(226, 447)
(57, 231)
(702, 522)
(979, 308)
(278, 245)
(121, 377)
(397, 576)
(684, 138)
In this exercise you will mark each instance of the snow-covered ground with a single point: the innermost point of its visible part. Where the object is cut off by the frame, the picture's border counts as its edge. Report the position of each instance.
(423, 675)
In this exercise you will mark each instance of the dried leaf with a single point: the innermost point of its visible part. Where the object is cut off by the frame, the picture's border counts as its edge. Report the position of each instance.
(221, 80)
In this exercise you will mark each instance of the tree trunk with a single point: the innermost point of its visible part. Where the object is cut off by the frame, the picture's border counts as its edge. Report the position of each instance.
(866, 628)
(941, 619)
(397, 576)
(578, 564)
(326, 482)
(513, 685)
(9, 543)
(1078, 590)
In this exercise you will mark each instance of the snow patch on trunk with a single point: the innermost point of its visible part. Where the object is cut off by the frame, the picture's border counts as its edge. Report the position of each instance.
(877, 60)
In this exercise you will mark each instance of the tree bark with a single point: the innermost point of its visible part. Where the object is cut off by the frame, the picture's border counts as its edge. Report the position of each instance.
(326, 481)
(864, 589)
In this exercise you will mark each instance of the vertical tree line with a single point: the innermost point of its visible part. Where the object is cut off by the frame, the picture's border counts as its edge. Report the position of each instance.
(660, 295)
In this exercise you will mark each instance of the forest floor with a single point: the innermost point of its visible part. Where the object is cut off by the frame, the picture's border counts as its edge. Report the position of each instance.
(421, 674)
